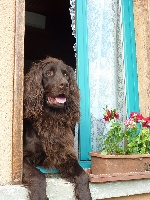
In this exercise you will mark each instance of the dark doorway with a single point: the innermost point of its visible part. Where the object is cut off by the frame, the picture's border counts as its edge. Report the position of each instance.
(53, 37)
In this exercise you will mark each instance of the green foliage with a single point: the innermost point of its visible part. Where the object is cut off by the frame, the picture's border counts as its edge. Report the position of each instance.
(112, 143)
(138, 142)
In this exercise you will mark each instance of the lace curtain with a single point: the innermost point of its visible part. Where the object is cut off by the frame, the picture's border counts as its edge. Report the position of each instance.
(106, 70)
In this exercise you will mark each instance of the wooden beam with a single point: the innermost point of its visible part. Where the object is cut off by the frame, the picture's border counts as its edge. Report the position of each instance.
(17, 146)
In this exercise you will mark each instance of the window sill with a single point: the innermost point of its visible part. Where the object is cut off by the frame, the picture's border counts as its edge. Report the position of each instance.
(101, 178)
(101, 190)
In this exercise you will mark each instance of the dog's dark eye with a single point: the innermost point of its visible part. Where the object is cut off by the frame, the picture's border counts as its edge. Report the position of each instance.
(65, 74)
(50, 73)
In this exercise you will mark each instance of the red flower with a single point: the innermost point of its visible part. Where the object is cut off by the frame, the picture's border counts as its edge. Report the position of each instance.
(106, 118)
(137, 116)
(146, 122)
(117, 115)
(108, 113)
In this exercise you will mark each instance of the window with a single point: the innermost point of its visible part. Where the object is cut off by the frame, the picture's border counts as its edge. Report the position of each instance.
(46, 34)
(129, 90)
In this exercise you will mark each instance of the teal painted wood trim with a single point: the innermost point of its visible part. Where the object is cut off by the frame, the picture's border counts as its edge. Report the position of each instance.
(85, 164)
(48, 171)
(83, 78)
(130, 61)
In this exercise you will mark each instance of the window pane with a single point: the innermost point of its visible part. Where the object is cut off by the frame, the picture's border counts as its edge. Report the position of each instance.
(106, 70)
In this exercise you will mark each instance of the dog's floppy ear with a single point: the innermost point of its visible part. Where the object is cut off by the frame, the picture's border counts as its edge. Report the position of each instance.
(33, 91)
(72, 82)
(74, 96)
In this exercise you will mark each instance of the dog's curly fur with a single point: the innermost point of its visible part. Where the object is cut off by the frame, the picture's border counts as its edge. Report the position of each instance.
(51, 110)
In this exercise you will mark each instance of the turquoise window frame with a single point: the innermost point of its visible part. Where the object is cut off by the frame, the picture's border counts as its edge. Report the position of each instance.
(83, 83)
(130, 60)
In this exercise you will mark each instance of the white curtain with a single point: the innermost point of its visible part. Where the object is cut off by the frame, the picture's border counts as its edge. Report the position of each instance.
(106, 71)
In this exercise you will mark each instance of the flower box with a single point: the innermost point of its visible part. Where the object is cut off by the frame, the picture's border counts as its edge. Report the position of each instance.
(113, 162)
(109, 164)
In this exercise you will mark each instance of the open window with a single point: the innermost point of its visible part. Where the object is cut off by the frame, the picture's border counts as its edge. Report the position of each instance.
(48, 31)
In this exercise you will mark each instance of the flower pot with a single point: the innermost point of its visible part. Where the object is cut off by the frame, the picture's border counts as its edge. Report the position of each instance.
(109, 164)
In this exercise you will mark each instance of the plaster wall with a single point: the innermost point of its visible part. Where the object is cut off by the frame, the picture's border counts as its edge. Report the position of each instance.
(142, 31)
(7, 23)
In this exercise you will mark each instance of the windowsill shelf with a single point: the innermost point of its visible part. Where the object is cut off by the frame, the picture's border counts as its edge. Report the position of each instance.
(101, 178)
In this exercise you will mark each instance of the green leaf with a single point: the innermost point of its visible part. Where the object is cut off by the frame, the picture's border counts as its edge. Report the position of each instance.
(104, 152)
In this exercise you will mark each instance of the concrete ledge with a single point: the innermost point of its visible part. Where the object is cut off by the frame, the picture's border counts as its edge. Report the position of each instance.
(119, 188)
(59, 189)
(13, 192)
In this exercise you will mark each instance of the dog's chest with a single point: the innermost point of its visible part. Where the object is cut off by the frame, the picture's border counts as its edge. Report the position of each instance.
(53, 130)
(55, 137)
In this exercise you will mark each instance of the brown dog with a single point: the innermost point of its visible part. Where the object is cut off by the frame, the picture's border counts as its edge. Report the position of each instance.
(51, 110)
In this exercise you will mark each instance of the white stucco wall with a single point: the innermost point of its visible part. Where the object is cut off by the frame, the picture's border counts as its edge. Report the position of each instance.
(7, 23)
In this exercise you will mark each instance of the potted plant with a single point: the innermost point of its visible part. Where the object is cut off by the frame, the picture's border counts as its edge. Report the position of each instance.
(134, 133)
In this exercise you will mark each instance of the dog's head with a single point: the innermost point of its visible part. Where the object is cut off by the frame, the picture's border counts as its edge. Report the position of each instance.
(49, 83)
(56, 83)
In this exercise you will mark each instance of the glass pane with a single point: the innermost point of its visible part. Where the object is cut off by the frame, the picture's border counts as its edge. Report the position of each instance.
(106, 70)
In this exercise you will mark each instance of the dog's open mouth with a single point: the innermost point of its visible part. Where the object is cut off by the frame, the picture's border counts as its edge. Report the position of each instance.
(60, 99)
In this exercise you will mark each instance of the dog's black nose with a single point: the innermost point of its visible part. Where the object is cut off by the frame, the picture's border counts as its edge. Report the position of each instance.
(64, 85)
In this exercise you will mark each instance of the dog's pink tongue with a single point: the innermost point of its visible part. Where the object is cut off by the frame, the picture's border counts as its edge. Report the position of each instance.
(61, 99)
